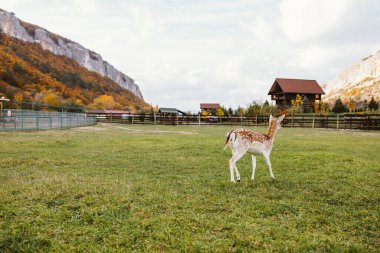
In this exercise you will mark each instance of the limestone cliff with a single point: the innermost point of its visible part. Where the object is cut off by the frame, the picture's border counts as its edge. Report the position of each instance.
(16, 28)
(360, 81)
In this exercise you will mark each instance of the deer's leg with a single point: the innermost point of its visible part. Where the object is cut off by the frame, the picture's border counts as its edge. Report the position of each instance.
(253, 166)
(266, 156)
(232, 170)
(237, 173)
(235, 157)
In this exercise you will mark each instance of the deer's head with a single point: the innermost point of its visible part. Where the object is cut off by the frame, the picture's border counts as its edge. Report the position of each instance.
(275, 123)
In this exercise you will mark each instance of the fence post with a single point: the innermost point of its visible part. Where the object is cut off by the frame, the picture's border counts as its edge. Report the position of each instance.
(154, 118)
(256, 120)
(177, 119)
(313, 121)
(199, 119)
(111, 117)
(337, 122)
(132, 119)
(241, 120)
(292, 119)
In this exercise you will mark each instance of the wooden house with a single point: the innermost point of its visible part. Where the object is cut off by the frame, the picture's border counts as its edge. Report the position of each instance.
(284, 90)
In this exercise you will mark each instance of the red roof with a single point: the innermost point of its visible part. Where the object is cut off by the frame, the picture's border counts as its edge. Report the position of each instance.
(300, 86)
(210, 106)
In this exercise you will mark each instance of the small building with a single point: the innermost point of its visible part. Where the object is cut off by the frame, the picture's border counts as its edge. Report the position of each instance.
(209, 108)
(3, 101)
(284, 90)
(169, 116)
(173, 111)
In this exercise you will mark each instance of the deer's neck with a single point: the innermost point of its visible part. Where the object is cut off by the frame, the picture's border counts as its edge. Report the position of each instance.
(272, 131)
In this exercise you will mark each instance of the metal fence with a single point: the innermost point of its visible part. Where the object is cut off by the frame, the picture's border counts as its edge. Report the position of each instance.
(15, 120)
(336, 121)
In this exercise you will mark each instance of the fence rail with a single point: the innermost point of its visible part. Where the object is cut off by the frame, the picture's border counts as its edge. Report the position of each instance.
(15, 120)
(336, 121)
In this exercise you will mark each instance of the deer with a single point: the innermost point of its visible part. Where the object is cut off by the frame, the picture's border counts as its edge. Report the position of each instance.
(242, 141)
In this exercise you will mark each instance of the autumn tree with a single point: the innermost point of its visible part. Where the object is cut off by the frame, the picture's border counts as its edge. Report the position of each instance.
(51, 98)
(351, 105)
(219, 112)
(104, 102)
(205, 114)
(296, 103)
(18, 98)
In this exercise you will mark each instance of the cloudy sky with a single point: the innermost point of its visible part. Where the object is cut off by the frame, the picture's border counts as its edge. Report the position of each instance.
(183, 52)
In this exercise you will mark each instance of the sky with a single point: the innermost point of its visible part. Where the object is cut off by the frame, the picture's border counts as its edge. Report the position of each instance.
(185, 52)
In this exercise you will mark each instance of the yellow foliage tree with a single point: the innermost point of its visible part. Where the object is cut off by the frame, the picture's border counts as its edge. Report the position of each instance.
(18, 98)
(205, 114)
(324, 107)
(219, 112)
(51, 98)
(296, 103)
(317, 107)
(351, 105)
(104, 102)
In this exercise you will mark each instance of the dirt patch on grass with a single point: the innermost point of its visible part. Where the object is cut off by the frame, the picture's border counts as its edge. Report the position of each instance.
(153, 131)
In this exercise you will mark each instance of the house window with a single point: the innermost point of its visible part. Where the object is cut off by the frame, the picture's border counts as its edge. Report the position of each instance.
(317, 96)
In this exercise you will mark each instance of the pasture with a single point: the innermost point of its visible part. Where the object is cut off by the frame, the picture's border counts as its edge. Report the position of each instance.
(166, 189)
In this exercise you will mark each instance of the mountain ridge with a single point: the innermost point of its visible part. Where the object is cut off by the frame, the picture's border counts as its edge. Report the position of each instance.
(29, 73)
(358, 82)
(14, 27)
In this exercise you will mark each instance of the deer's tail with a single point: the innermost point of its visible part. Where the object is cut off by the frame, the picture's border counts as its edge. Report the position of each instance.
(230, 137)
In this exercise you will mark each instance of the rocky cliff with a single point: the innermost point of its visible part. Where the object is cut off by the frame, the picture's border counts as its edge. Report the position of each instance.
(360, 82)
(14, 27)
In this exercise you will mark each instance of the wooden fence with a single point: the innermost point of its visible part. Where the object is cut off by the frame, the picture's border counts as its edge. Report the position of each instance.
(335, 121)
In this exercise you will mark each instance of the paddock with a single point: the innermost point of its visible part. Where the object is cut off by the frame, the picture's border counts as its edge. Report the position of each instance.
(118, 187)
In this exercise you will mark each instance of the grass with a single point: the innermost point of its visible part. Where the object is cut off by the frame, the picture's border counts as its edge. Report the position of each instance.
(146, 188)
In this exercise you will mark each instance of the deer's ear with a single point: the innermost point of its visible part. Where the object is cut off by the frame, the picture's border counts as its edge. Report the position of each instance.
(279, 119)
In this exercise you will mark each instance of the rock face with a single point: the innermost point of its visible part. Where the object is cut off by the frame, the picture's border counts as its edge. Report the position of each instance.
(16, 28)
(359, 82)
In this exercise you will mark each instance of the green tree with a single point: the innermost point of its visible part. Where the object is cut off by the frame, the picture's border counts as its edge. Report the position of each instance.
(339, 107)
(253, 109)
(373, 105)
(230, 111)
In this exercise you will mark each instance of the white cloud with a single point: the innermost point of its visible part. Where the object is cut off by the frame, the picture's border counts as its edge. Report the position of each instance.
(312, 19)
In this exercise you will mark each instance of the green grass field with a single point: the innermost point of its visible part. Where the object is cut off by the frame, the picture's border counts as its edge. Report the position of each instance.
(147, 189)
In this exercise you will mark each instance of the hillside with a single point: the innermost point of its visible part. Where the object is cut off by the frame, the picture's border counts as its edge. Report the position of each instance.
(30, 73)
(16, 28)
(359, 82)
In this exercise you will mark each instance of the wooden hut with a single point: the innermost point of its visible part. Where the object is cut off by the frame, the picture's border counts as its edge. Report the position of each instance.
(169, 116)
(284, 90)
